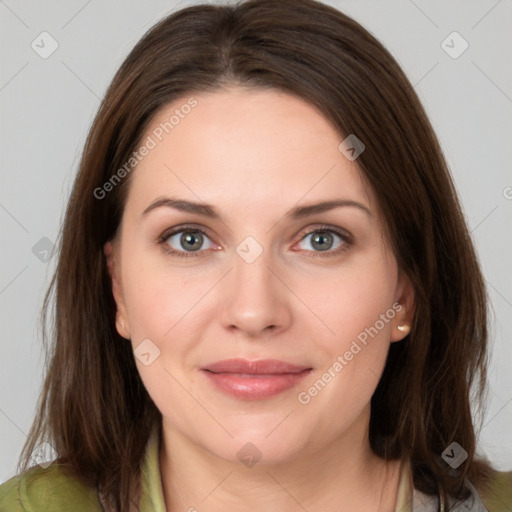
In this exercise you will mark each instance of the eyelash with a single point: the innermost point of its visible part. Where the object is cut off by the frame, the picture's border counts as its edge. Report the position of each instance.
(347, 242)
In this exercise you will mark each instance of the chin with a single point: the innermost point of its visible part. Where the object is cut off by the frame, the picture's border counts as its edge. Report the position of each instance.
(256, 446)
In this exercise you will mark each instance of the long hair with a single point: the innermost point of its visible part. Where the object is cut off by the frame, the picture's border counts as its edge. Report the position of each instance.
(94, 408)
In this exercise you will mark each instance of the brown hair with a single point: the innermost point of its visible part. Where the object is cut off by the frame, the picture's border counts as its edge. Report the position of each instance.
(94, 408)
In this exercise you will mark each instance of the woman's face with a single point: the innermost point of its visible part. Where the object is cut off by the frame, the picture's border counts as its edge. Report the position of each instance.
(223, 255)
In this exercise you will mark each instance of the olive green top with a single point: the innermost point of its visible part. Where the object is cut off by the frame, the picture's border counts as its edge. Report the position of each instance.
(49, 488)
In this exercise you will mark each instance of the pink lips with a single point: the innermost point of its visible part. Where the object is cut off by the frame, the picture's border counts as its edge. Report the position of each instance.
(254, 380)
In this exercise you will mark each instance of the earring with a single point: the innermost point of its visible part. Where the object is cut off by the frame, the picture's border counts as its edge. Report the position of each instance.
(403, 328)
(121, 323)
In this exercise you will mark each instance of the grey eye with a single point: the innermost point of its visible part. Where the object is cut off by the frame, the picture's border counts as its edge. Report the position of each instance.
(322, 240)
(188, 241)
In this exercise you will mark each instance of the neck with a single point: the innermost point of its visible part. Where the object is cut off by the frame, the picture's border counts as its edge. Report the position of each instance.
(342, 476)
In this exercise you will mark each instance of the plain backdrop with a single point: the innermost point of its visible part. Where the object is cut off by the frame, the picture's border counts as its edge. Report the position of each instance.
(48, 102)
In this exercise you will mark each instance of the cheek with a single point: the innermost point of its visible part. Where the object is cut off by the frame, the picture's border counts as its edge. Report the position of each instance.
(357, 307)
(159, 298)
(351, 300)
(162, 307)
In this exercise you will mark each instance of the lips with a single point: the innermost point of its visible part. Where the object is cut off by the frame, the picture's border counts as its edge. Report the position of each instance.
(261, 367)
(254, 380)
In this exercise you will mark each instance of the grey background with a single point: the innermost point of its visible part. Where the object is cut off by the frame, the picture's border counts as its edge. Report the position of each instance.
(47, 106)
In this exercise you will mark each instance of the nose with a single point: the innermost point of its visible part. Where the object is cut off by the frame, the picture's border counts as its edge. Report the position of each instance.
(255, 301)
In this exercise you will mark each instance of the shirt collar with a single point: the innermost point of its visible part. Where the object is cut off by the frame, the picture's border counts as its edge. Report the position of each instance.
(410, 499)
(404, 494)
(152, 495)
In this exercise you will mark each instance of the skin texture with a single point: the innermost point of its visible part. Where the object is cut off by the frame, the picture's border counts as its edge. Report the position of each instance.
(254, 155)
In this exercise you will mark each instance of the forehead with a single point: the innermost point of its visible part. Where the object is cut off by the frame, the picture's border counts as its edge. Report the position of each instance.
(240, 146)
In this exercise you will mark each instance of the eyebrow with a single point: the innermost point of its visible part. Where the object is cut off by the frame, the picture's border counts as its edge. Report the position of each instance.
(207, 210)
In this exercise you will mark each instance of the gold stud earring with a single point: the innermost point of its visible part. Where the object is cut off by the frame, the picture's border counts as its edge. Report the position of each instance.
(403, 328)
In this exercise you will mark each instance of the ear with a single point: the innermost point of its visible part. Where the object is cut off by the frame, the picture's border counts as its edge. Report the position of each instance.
(110, 250)
(404, 301)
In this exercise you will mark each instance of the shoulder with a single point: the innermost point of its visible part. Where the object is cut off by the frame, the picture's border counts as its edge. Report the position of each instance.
(50, 488)
(496, 492)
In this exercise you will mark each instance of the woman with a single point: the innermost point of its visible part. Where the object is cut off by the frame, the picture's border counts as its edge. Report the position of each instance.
(266, 296)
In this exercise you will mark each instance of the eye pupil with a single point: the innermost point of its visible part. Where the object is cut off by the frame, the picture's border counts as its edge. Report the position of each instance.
(192, 241)
(322, 241)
